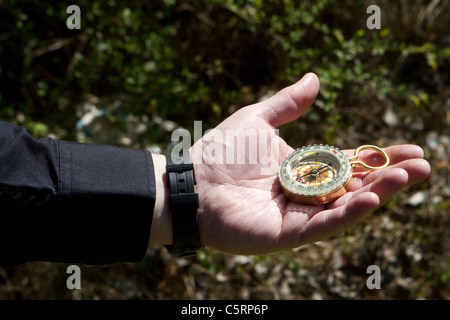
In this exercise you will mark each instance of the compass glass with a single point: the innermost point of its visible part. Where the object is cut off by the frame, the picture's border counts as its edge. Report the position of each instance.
(315, 170)
(314, 174)
(319, 174)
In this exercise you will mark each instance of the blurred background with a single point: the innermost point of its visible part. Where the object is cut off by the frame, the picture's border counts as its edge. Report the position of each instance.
(138, 69)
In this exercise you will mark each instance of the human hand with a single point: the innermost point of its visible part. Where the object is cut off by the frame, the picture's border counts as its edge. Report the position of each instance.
(242, 207)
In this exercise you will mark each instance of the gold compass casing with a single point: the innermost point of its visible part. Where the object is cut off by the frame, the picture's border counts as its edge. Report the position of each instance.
(315, 175)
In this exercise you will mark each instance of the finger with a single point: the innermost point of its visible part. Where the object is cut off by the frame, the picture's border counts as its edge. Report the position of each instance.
(333, 221)
(399, 153)
(417, 169)
(385, 184)
(289, 103)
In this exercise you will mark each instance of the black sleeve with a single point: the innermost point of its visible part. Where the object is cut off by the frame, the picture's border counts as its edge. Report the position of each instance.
(72, 202)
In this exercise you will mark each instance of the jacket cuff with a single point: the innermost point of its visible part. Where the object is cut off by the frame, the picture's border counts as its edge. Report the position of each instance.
(106, 197)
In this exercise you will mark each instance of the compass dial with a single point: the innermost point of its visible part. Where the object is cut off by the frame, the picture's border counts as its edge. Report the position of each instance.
(315, 174)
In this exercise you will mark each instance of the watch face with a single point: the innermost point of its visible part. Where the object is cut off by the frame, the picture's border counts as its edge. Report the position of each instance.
(315, 174)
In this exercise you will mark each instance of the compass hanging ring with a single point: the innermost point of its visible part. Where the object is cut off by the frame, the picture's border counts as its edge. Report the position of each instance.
(319, 174)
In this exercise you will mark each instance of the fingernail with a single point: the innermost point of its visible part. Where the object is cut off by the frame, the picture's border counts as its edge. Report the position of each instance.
(307, 78)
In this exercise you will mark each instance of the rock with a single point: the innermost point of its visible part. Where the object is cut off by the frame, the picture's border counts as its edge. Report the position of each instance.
(390, 118)
(416, 199)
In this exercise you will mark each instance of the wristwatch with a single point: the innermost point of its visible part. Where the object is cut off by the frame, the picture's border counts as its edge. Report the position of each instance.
(183, 204)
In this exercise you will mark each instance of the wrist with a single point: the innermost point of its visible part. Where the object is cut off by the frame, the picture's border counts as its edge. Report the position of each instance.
(161, 231)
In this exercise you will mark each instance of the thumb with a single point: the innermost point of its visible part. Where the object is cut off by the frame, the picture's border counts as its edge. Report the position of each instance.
(291, 102)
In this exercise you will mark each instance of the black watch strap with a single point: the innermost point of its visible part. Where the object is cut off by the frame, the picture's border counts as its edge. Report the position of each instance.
(183, 204)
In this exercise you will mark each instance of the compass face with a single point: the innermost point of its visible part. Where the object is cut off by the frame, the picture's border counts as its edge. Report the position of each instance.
(315, 174)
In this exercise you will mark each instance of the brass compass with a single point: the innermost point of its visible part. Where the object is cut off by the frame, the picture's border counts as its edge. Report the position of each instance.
(319, 174)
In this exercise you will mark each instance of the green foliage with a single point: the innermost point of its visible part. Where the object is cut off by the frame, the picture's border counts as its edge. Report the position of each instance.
(188, 60)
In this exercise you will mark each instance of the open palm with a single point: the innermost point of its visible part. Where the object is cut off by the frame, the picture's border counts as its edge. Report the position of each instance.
(242, 207)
